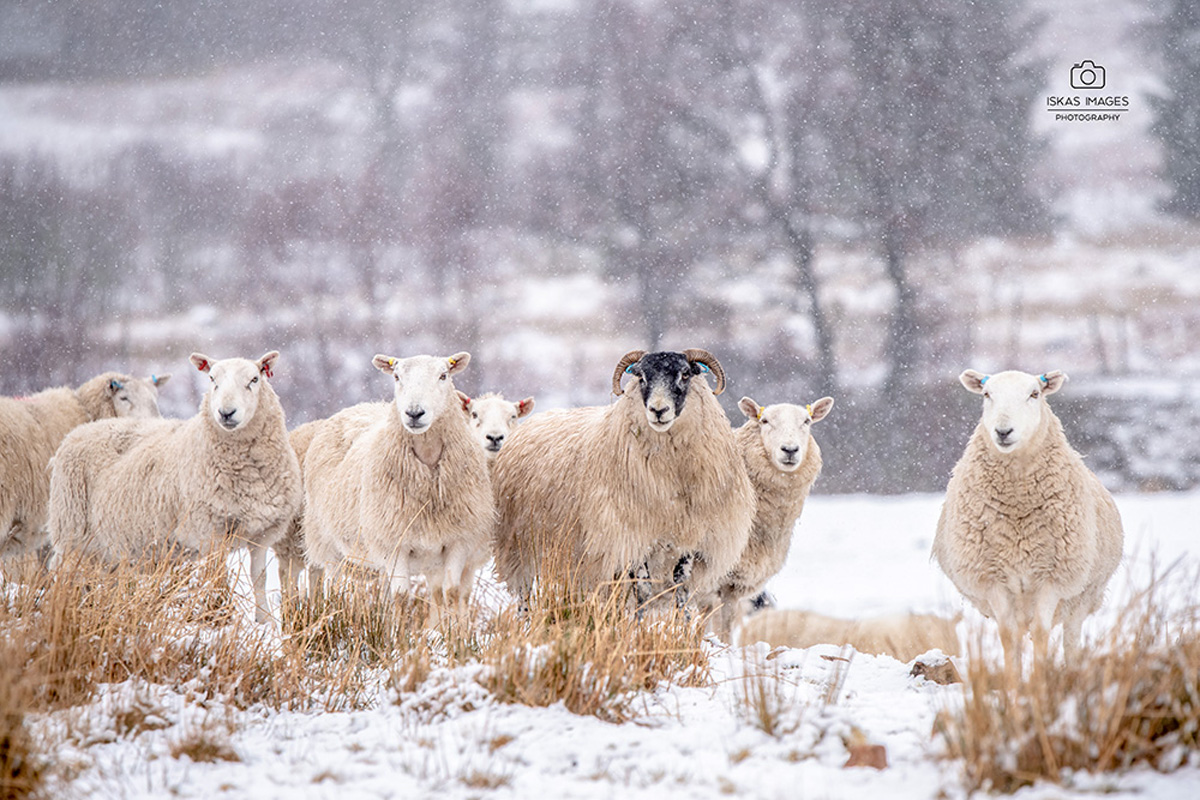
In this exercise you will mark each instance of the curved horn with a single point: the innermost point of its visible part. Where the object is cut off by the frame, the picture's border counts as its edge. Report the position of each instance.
(709, 360)
(632, 357)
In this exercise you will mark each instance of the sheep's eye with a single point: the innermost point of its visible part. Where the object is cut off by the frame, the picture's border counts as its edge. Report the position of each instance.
(1036, 394)
(253, 381)
(808, 422)
(442, 377)
(765, 421)
(474, 415)
(987, 396)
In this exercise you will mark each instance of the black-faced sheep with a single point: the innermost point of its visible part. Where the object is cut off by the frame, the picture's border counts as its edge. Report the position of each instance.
(31, 429)
(134, 490)
(1027, 533)
(607, 492)
(402, 487)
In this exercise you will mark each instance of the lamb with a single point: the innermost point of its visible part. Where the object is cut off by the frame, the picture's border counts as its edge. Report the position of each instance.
(782, 460)
(31, 429)
(401, 487)
(138, 490)
(903, 636)
(493, 418)
(653, 479)
(1027, 533)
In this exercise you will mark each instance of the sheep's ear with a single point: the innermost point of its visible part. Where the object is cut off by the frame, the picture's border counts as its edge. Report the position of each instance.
(820, 409)
(114, 386)
(201, 361)
(1052, 381)
(159, 380)
(458, 362)
(973, 380)
(750, 408)
(525, 407)
(266, 364)
(464, 398)
(385, 364)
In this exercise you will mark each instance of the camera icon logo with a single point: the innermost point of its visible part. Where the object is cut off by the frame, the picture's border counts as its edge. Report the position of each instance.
(1087, 75)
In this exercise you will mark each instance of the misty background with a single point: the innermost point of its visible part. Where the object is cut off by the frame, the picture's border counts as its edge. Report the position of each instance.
(857, 198)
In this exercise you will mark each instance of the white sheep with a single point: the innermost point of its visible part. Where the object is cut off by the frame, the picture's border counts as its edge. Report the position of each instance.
(31, 429)
(493, 418)
(782, 460)
(135, 490)
(903, 636)
(1027, 533)
(402, 487)
(650, 487)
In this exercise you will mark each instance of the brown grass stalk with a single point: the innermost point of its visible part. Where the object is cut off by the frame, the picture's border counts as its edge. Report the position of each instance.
(1131, 698)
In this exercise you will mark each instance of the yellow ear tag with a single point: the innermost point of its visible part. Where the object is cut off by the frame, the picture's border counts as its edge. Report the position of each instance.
(808, 408)
(452, 361)
(761, 409)
(391, 362)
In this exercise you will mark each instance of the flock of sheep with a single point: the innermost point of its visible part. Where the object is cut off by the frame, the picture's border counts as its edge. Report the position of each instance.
(655, 495)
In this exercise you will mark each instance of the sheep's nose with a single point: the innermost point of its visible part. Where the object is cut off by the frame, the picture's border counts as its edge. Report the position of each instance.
(659, 412)
(415, 414)
(226, 414)
(1003, 433)
(790, 449)
(495, 439)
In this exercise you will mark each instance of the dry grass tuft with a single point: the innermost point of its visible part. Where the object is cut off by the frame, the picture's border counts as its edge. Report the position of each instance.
(1131, 699)
(176, 624)
(21, 773)
(587, 650)
(207, 742)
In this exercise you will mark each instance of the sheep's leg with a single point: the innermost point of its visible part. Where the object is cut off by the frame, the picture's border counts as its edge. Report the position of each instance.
(1072, 620)
(1000, 605)
(456, 583)
(642, 590)
(682, 577)
(290, 569)
(258, 577)
(729, 612)
(401, 579)
(1045, 604)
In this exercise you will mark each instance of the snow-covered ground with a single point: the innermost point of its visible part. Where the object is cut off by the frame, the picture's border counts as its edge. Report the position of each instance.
(853, 555)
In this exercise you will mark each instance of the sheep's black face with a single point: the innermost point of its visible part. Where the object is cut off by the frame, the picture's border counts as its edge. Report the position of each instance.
(664, 379)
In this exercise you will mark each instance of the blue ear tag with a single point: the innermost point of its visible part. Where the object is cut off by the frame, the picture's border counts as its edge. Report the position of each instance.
(984, 379)
(1042, 378)
(629, 369)
(115, 384)
(154, 379)
(703, 368)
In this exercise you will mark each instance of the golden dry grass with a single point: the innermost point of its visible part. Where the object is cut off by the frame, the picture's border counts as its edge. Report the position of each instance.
(1132, 698)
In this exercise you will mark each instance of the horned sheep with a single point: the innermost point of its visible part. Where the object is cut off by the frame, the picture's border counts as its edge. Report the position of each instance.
(401, 487)
(31, 429)
(1027, 532)
(492, 419)
(650, 487)
(135, 490)
(782, 460)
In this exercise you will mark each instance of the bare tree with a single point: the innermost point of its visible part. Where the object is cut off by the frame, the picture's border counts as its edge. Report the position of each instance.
(933, 134)
(61, 256)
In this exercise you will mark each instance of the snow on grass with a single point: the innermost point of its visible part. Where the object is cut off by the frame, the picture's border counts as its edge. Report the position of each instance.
(852, 555)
